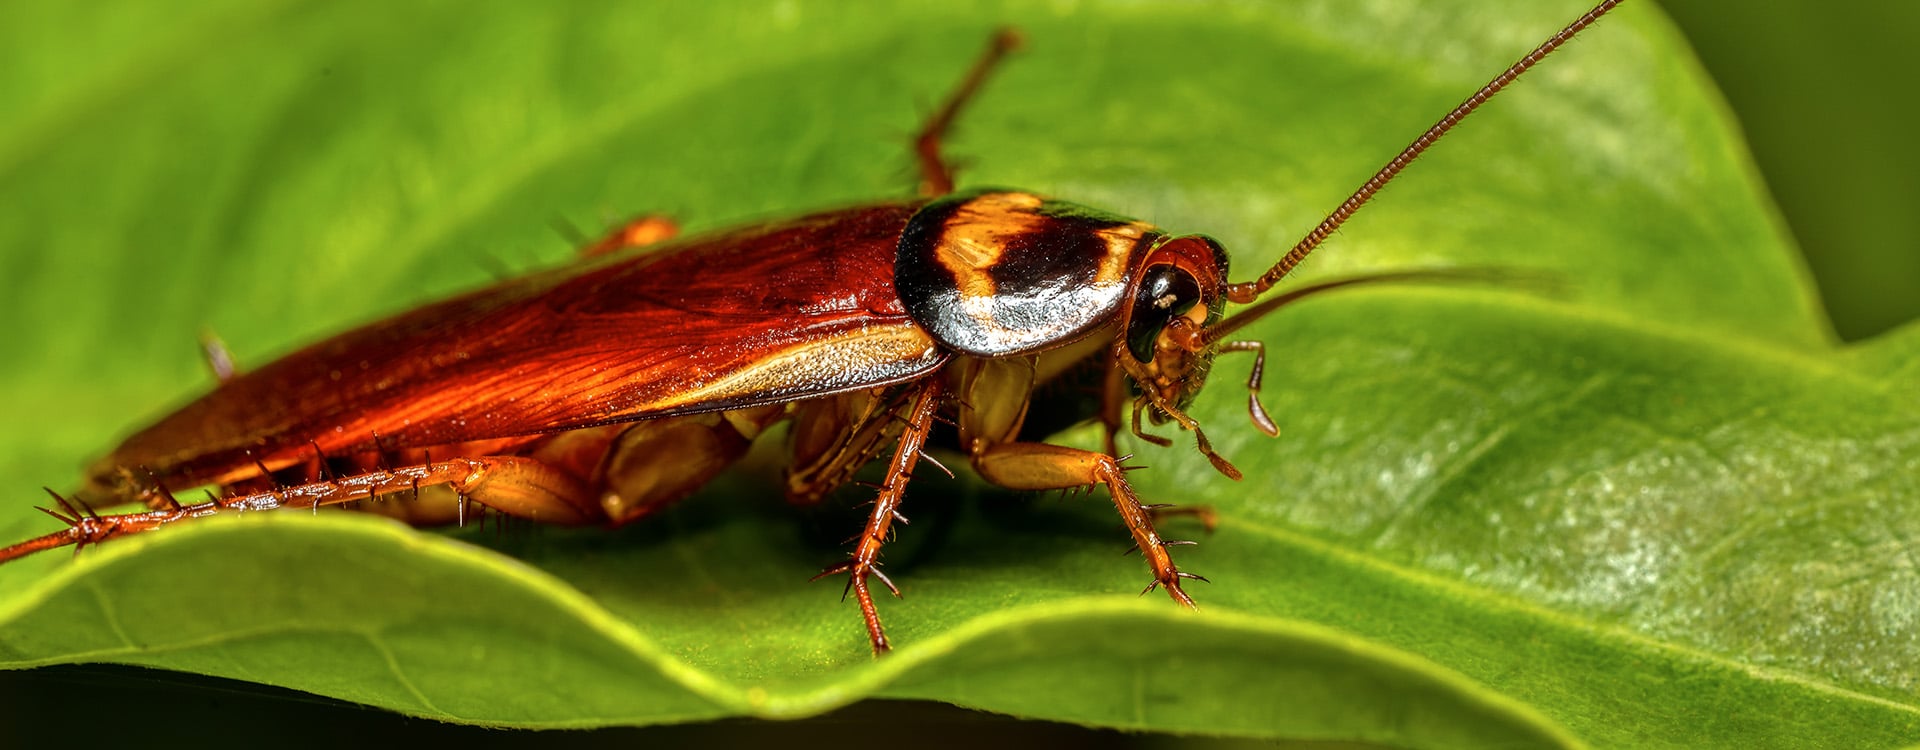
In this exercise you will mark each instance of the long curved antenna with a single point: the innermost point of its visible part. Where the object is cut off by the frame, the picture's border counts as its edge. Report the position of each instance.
(1245, 292)
(1539, 282)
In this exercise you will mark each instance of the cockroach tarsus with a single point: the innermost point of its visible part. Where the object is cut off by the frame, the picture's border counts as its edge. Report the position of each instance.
(860, 327)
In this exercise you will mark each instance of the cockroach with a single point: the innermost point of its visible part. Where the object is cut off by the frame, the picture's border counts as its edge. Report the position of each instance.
(602, 391)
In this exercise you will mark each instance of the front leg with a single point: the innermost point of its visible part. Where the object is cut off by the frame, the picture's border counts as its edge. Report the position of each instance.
(1041, 466)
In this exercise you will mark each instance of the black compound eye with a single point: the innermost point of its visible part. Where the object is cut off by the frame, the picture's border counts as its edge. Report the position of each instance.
(1166, 292)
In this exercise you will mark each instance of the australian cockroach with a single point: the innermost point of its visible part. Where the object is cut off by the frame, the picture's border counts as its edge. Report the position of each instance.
(554, 398)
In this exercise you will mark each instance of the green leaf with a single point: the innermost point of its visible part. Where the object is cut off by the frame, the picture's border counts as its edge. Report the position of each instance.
(1660, 508)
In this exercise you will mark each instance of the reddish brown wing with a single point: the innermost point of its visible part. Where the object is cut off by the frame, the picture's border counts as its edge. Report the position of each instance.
(770, 313)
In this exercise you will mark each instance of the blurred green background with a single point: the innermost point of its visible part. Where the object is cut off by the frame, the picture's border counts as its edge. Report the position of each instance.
(1822, 92)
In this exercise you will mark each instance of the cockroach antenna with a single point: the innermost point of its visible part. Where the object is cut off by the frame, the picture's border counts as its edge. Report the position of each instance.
(1247, 292)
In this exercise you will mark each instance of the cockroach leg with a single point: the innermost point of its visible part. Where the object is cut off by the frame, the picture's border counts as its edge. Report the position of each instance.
(1113, 403)
(936, 175)
(524, 488)
(1041, 466)
(653, 463)
(936, 464)
(380, 453)
(141, 485)
(265, 474)
(162, 497)
(832, 438)
(510, 484)
(1254, 408)
(866, 554)
(637, 232)
(1139, 431)
(321, 471)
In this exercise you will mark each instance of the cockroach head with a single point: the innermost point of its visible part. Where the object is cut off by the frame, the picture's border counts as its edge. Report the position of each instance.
(1173, 298)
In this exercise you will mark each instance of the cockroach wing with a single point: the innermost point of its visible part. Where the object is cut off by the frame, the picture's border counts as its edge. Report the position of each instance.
(771, 313)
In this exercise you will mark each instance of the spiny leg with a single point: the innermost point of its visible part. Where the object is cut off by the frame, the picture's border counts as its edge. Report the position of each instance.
(1041, 466)
(866, 554)
(936, 175)
(515, 485)
(1113, 400)
(832, 438)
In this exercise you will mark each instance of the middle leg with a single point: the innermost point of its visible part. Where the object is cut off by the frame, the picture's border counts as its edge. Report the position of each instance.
(866, 554)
